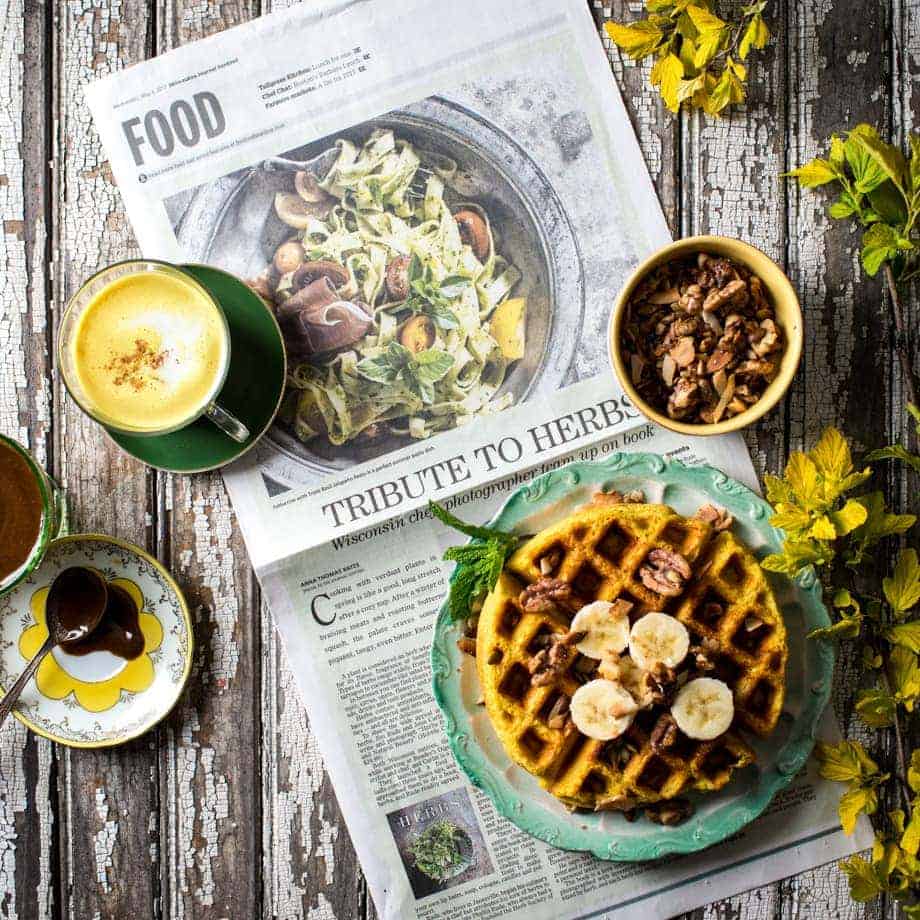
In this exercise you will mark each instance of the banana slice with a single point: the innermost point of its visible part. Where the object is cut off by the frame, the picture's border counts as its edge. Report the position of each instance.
(704, 708)
(607, 628)
(657, 637)
(602, 709)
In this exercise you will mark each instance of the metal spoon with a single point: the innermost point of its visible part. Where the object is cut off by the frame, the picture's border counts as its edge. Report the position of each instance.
(75, 605)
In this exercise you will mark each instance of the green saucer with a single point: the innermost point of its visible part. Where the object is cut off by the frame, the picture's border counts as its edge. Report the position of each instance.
(252, 392)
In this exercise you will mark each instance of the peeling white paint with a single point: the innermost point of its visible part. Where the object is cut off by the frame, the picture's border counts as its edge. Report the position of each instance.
(104, 840)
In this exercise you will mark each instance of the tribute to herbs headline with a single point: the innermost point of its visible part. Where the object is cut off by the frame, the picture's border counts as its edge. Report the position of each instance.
(486, 458)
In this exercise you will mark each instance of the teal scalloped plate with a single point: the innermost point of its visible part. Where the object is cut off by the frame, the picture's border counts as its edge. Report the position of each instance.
(518, 796)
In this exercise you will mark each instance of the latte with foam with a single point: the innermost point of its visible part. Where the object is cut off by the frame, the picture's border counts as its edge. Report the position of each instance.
(148, 352)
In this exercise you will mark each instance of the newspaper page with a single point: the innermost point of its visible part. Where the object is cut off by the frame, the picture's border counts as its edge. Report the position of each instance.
(459, 184)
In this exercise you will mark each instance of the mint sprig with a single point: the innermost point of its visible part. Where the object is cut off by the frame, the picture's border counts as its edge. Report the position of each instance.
(479, 564)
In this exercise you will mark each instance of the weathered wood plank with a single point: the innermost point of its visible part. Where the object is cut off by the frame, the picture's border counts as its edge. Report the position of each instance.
(108, 799)
(27, 763)
(210, 759)
(838, 78)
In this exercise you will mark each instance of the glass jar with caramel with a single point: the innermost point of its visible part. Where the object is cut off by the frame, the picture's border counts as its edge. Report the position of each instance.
(32, 513)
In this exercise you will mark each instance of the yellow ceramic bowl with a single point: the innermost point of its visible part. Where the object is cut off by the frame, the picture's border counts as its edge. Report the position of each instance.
(788, 316)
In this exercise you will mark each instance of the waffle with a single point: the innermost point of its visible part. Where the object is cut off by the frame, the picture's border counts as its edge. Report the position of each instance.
(599, 551)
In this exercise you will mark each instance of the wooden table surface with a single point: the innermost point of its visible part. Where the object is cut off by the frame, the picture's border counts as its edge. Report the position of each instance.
(224, 810)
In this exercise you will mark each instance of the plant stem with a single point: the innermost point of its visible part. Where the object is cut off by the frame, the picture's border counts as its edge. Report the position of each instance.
(901, 775)
(900, 326)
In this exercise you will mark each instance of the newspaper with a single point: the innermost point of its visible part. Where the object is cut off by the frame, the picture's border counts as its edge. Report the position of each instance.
(487, 143)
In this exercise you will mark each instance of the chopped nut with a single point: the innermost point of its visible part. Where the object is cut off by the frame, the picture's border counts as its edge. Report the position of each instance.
(664, 734)
(467, 645)
(705, 655)
(660, 685)
(670, 811)
(549, 563)
(622, 803)
(665, 572)
(718, 517)
(550, 663)
(557, 716)
(682, 351)
(752, 623)
(634, 497)
(607, 498)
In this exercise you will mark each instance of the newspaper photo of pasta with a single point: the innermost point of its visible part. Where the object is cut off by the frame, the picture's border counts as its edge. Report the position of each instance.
(396, 306)
(421, 267)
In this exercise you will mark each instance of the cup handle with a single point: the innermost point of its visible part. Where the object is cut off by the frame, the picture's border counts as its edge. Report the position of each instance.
(229, 424)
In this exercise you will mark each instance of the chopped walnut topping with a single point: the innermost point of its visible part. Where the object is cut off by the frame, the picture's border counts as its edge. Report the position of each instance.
(624, 803)
(548, 595)
(670, 811)
(692, 319)
(660, 685)
(551, 662)
(665, 572)
(549, 563)
(705, 654)
(718, 517)
(558, 715)
(467, 645)
(664, 734)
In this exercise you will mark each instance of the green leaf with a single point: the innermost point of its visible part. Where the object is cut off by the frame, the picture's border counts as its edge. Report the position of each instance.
(866, 172)
(875, 707)
(888, 203)
(864, 882)
(879, 245)
(902, 589)
(667, 75)
(815, 173)
(904, 675)
(728, 90)
(886, 157)
(843, 207)
(454, 285)
(379, 369)
(906, 635)
(477, 532)
(845, 762)
(432, 365)
(638, 40)
(855, 803)
(463, 591)
(895, 452)
(756, 35)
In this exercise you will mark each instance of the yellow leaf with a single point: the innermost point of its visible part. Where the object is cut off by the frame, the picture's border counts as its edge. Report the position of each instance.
(852, 515)
(704, 20)
(739, 70)
(844, 762)
(802, 477)
(666, 75)
(913, 771)
(853, 804)
(756, 35)
(902, 589)
(831, 455)
(708, 45)
(823, 529)
(637, 40)
(904, 674)
(910, 840)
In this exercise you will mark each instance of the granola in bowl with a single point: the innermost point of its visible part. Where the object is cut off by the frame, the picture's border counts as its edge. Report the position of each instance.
(701, 338)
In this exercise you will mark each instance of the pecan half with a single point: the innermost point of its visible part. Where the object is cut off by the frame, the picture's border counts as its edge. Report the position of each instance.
(548, 595)
(718, 517)
(664, 734)
(665, 572)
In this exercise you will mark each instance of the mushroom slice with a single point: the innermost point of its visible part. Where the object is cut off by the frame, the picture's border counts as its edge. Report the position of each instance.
(473, 232)
(296, 212)
(320, 268)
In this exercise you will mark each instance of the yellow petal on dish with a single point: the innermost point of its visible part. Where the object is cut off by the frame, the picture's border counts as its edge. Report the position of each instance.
(507, 327)
(137, 676)
(52, 681)
(31, 641)
(98, 697)
(152, 630)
